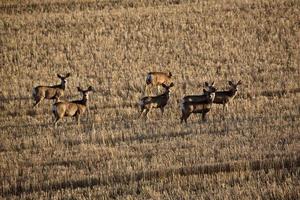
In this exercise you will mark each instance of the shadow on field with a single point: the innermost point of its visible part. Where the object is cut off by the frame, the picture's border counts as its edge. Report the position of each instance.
(114, 141)
(289, 162)
(130, 125)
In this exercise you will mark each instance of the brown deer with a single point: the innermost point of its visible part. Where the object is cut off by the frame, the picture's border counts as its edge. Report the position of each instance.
(40, 93)
(160, 101)
(198, 104)
(72, 108)
(224, 97)
(157, 79)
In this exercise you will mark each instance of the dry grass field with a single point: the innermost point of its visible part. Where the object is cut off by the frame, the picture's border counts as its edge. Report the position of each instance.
(249, 152)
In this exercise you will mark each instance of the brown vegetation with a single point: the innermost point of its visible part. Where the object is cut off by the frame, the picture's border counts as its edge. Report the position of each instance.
(253, 153)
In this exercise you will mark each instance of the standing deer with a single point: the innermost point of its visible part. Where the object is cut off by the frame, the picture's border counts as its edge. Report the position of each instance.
(72, 108)
(157, 79)
(40, 93)
(160, 101)
(198, 104)
(224, 97)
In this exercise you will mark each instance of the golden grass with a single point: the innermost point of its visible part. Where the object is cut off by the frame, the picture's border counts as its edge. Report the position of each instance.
(249, 152)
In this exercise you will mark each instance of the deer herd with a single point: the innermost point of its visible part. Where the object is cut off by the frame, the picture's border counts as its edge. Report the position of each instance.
(201, 103)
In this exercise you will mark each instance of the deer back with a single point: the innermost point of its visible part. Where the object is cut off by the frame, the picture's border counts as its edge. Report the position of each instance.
(158, 78)
(65, 108)
(53, 92)
(223, 96)
(195, 98)
(199, 107)
(154, 101)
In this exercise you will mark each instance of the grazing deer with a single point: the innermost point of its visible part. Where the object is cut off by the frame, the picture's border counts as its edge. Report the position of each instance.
(72, 108)
(157, 79)
(198, 104)
(224, 97)
(160, 101)
(40, 93)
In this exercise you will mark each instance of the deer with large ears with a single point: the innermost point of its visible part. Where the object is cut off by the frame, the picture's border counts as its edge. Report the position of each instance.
(72, 108)
(158, 79)
(160, 101)
(40, 93)
(198, 103)
(224, 97)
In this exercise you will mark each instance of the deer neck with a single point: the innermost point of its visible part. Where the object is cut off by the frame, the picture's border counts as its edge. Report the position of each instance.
(166, 94)
(232, 93)
(62, 85)
(84, 101)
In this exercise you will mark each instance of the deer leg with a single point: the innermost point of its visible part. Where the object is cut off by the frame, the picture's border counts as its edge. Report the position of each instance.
(142, 112)
(37, 101)
(78, 119)
(159, 88)
(162, 110)
(146, 114)
(56, 120)
(181, 118)
(203, 116)
(186, 117)
(146, 90)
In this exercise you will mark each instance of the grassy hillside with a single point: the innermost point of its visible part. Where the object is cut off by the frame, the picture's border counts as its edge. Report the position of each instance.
(249, 152)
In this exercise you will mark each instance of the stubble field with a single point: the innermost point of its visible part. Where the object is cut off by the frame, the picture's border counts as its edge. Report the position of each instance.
(249, 152)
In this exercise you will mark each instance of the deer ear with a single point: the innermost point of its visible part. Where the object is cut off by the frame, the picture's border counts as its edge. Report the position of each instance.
(79, 89)
(206, 84)
(67, 75)
(239, 82)
(59, 76)
(212, 84)
(204, 91)
(163, 85)
(171, 85)
(230, 82)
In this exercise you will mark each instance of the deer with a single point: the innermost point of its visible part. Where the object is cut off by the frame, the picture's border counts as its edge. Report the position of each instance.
(157, 79)
(224, 97)
(54, 92)
(198, 103)
(150, 102)
(73, 108)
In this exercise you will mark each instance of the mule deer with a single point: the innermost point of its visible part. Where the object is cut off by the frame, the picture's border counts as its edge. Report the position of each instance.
(157, 79)
(72, 108)
(160, 101)
(224, 97)
(198, 104)
(40, 93)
